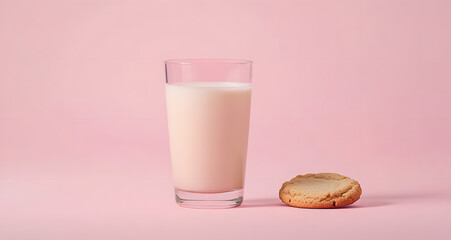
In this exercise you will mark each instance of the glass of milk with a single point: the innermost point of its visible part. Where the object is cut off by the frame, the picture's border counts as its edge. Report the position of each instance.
(208, 107)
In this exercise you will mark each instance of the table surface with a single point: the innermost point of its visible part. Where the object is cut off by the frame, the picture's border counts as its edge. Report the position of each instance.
(132, 198)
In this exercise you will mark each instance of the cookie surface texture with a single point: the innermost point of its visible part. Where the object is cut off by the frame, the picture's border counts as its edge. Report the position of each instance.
(321, 190)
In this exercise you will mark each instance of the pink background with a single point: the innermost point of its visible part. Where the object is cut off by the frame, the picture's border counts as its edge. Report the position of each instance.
(361, 88)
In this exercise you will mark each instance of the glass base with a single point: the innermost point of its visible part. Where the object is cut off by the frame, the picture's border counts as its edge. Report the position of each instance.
(209, 200)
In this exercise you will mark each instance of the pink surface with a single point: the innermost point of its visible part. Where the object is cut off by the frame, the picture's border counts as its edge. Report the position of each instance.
(360, 88)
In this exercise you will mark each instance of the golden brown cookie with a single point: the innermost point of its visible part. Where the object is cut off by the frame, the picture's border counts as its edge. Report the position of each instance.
(322, 190)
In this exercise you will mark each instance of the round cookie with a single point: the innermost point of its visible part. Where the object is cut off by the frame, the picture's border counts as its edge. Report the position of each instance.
(322, 190)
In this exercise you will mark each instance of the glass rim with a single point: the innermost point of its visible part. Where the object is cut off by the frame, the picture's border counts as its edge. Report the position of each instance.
(200, 61)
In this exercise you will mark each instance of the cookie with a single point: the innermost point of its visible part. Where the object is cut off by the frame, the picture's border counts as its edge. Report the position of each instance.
(322, 190)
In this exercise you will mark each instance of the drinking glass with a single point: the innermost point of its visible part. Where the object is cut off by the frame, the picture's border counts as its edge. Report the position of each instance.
(208, 108)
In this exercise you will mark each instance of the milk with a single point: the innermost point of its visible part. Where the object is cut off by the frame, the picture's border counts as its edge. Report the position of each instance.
(208, 134)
